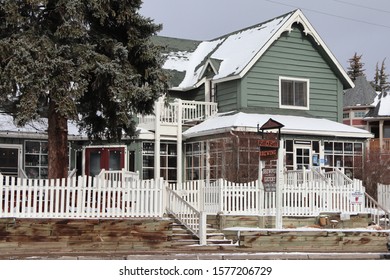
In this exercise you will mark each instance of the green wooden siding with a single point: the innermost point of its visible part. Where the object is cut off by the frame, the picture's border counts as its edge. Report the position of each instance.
(292, 55)
(228, 95)
(196, 94)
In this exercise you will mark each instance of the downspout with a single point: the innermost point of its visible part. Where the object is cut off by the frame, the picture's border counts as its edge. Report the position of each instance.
(238, 152)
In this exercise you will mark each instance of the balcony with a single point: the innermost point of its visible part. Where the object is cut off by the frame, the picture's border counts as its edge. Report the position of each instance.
(376, 145)
(179, 112)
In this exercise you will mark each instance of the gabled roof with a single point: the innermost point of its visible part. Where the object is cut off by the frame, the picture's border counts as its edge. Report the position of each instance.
(382, 108)
(238, 121)
(363, 94)
(236, 52)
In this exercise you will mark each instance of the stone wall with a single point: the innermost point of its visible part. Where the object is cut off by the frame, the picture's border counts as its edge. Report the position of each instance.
(353, 221)
(313, 240)
(65, 235)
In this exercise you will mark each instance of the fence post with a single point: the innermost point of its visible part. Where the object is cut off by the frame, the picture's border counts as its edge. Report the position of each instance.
(1, 193)
(202, 228)
(201, 198)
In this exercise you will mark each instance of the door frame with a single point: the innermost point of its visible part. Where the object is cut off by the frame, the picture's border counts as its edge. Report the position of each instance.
(124, 160)
(18, 147)
(300, 146)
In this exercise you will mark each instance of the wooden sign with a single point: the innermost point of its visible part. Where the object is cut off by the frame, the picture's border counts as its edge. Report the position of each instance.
(270, 143)
(269, 179)
(268, 154)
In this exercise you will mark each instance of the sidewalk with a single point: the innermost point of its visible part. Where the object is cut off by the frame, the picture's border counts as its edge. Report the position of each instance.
(169, 255)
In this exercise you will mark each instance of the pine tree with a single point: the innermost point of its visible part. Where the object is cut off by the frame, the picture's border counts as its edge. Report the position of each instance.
(375, 82)
(85, 60)
(383, 84)
(355, 68)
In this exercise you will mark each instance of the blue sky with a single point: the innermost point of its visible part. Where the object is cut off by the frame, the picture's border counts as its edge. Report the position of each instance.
(346, 26)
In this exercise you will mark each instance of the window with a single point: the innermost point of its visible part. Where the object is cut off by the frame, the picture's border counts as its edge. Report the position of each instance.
(36, 159)
(359, 114)
(344, 154)
(195, 161)
(294, 93)
(168, 161)
(345, 115)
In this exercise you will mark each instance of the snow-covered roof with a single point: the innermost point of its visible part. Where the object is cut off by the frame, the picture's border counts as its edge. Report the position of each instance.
(237, 52)
(225, 122)
(32, 129)
(382, 107)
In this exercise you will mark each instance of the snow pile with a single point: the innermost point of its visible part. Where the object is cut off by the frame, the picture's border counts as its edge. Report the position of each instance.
(384, 109)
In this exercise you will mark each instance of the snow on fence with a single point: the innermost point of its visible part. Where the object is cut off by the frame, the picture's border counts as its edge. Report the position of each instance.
(82, 197)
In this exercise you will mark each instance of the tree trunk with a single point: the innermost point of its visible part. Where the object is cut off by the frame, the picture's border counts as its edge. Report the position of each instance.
(57, 143)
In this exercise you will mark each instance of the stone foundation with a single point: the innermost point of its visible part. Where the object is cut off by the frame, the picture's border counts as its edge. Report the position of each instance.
(65, 235)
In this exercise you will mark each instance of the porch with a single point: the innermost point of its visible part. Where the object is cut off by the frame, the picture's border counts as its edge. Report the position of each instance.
(382, 145)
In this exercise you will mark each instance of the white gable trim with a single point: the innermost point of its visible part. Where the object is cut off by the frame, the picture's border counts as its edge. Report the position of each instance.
(296, 17)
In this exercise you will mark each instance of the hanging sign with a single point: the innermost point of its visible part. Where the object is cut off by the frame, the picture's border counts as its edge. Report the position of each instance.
(268, 152)
(269, 179)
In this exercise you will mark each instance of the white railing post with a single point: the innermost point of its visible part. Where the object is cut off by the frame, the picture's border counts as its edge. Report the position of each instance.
(157, 110)
(202, 228)
(179, 141)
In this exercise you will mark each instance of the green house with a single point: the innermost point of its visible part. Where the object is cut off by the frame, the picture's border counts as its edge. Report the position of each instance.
(221, 90)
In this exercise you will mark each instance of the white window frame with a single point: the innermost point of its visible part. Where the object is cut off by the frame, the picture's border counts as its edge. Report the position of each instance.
(307, 93)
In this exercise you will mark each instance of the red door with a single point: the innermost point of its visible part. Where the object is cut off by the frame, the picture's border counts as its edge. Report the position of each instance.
(108, 158)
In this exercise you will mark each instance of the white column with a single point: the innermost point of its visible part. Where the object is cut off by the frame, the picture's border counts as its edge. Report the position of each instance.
(157, 110)
(381, 134)
(279, 188)
(179, 144)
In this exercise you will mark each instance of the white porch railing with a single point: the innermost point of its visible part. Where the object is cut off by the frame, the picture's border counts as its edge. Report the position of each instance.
(189, 110)
(82, 197)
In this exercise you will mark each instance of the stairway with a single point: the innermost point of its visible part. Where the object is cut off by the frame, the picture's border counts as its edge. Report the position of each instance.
(182, 237)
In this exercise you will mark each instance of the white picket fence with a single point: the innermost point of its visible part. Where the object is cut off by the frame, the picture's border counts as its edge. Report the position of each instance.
(304, 193)
(82, 197)
(383, 193)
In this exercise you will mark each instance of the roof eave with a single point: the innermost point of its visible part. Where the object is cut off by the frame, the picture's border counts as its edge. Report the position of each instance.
(298, 16)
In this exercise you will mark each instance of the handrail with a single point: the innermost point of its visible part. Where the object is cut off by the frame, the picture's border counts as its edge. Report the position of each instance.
(23, 173)
(381, 215)
(185, 213)
(72, 173)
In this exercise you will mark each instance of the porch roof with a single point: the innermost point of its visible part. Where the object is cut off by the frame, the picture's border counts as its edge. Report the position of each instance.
(238, 121)
(33, 129)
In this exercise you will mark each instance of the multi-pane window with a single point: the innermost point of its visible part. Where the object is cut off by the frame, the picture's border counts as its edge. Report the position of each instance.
(347, 155)
(345, 115)
(294, 93)
(195, 161)
(359, 114)
(36, 159)
(168, 161)
(226, 158)
(147, 160)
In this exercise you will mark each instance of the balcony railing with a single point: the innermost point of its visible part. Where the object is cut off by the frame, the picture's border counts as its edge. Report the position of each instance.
(375, 145)
(191, 111)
